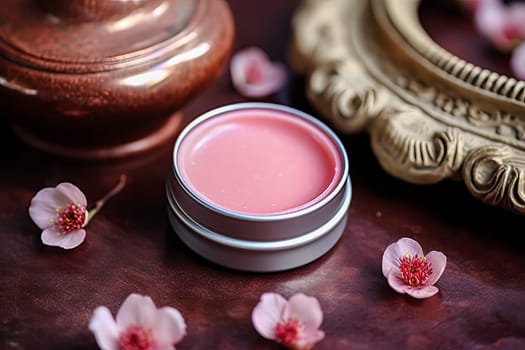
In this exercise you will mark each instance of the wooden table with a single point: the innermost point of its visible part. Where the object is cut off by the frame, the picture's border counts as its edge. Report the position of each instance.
(47, 294)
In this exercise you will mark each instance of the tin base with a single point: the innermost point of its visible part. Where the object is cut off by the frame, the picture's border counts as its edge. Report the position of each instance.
(259, 256)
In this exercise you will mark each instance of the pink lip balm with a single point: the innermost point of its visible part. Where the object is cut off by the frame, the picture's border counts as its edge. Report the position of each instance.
(259, 187)
(259, 162)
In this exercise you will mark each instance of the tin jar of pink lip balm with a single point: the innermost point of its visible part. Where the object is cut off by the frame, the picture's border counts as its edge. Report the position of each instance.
(259, 187)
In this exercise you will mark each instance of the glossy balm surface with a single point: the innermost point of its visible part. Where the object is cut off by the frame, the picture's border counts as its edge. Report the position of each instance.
(259, 162)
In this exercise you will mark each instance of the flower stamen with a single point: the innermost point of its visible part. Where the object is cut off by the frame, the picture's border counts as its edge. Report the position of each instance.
(70, 218)
(287, 332)
(136, 337)
(415, 270)
(254, 74)
(511, 32)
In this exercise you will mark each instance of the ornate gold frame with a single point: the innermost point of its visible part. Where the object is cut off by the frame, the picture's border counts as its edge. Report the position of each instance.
(430, 115)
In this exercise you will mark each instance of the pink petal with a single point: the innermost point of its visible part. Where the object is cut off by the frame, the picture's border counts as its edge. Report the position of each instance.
(396, 282)
(438, 262)
(52, 237)
(136, 310)
(396, 250)
(305, 309)
(422, 292)
(272, 75)
(169, 327)
(104, 329)
(410, 246)
(73, 239)
(73, 193)
(267, 313)
(517, 62)
(52, 196)
(43, 208)
(307, 341)
(42, 214)
(390, 259)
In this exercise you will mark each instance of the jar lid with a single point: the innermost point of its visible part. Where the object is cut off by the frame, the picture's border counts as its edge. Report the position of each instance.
(100, 35)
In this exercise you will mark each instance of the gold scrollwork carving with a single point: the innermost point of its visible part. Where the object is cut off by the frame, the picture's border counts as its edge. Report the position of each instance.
(370, 66)
(497, 121)
(493, 174)
(343, 92)
(418, 156)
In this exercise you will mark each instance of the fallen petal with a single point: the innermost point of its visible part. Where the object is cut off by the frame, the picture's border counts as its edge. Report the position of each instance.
(136, 310)
(104, 329)
(438, 262)
(42, 213)
(308, 342)
(409, 246)
(73, 193)
(390, 259)
(423, 292)
(52, 237)
(73, 239)
(305, 309)
(268, 313)
(169, 327)
(43, 208)
(396, 282)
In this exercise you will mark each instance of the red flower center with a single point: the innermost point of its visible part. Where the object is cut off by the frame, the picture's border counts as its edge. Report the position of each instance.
(414, 270)
(511, 32)
(253, 74)
(287, 332)
(70, 218)
(136, 338)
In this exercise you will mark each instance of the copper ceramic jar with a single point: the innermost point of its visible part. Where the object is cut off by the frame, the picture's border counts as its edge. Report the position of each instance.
(103, 78)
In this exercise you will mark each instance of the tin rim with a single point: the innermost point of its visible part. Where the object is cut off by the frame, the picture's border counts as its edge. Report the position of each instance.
(268, 106)
(290, 243)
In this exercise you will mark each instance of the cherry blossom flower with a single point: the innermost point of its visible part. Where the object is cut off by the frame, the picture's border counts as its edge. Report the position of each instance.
(409, 271)
(139, 325)
(503, 25)
(253, 75)
(294, 323)
(61, 212)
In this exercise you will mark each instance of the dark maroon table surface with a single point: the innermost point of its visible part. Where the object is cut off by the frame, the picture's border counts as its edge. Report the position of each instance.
(47, 295)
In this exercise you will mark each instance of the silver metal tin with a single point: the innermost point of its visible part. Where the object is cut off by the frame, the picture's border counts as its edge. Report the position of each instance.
(261, 243)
